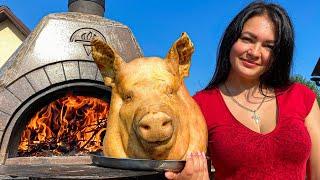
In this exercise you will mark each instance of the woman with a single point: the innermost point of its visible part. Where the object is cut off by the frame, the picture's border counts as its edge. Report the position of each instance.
(261, 125)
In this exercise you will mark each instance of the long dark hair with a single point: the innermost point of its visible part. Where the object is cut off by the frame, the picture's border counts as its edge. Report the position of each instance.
(278, 73)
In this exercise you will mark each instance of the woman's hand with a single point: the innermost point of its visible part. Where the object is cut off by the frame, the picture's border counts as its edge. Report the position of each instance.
(195, 169)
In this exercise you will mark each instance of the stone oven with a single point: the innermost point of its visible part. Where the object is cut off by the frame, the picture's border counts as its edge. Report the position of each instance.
(52, 74)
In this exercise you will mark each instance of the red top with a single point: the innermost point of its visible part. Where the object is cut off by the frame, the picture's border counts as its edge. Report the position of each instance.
(240, 153)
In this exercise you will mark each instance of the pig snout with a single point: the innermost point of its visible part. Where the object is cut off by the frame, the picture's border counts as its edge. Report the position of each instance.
(155, 127)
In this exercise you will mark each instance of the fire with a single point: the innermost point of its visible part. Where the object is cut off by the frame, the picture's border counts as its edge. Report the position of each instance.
(70, 125)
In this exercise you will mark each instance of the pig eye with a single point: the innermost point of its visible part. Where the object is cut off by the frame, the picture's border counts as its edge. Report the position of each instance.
(128, 97)
(170, 91)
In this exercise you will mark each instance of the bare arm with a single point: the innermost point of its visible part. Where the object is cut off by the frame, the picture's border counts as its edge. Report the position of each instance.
(312, 122)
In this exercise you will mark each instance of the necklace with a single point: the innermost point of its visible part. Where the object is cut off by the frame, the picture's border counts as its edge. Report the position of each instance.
(255, 117)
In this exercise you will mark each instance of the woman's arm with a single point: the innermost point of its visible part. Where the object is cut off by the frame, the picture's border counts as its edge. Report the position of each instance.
(195, 168)
(312, 122)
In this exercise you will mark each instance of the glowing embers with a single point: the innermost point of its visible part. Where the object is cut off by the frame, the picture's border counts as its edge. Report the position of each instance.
(72, 125)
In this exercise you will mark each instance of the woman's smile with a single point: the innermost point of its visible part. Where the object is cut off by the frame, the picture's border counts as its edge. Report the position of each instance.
(249, 63)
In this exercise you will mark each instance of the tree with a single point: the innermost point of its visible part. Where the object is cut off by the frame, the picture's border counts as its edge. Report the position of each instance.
(312, 85)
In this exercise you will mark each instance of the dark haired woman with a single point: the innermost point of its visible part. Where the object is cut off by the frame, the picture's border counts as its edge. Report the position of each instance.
(261, 125)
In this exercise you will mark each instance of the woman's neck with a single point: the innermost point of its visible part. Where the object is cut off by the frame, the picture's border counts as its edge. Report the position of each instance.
(239, 84)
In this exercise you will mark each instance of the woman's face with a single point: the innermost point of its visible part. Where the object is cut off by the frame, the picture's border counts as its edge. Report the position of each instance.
(252, 52)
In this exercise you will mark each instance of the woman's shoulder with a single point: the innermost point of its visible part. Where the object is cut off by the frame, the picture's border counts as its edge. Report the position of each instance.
(205, 93)
(298, 88)
(298, 97)
(206, 96)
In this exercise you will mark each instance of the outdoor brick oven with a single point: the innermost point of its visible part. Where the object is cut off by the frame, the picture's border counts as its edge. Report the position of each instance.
(55, 62)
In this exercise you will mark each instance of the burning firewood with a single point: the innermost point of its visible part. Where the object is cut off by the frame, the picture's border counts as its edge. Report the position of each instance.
(69, 125)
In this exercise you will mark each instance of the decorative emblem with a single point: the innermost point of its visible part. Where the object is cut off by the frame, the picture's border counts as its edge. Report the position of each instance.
(84, 36)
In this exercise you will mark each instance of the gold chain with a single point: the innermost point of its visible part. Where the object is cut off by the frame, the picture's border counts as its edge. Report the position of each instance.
(254, 117)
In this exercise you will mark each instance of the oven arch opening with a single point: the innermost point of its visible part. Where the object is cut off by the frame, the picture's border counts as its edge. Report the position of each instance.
(22, 116)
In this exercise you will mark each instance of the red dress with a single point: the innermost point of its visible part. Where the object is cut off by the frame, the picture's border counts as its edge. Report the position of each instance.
(240, 153)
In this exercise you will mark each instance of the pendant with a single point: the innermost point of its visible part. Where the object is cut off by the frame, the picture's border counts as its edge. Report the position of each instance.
(256, 118)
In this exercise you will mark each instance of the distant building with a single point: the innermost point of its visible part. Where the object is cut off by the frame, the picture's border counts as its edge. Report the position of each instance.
(316, 73)
(12, 33)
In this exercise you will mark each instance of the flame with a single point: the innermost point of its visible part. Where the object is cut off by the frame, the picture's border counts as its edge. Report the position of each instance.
(72, 124)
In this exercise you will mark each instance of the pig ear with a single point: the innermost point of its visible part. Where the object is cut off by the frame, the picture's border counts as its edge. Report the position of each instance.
(181, 51)
(108, 61)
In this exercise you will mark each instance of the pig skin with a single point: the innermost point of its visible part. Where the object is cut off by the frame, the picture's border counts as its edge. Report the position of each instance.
(152, 115)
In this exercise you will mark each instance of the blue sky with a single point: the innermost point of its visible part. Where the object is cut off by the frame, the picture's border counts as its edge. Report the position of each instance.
(156, 24)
